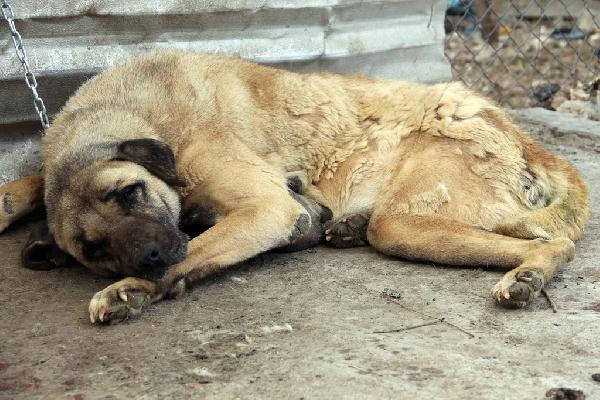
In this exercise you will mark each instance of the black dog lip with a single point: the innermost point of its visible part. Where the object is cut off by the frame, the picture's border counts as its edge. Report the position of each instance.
(301, 227)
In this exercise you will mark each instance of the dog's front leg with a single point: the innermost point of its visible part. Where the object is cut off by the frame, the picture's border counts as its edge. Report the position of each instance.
(258, 214)
(257, 226)
(127, 297)
(254, 228)
(122, 299)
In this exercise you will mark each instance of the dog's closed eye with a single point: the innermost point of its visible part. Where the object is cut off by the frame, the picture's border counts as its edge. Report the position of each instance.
(131, 194)
(94, 250)
(128, 196)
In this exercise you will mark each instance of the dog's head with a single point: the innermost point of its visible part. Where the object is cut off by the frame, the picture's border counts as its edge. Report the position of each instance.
(112, 206)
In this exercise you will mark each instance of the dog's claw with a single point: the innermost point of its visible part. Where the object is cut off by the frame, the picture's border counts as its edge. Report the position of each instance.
(115, 304)
(123, 295)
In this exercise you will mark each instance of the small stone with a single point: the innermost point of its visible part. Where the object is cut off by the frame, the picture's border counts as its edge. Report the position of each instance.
(596, 377)
(38, 330)
(391, 293)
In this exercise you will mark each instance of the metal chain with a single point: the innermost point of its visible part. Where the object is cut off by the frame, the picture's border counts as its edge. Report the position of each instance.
(30, 80)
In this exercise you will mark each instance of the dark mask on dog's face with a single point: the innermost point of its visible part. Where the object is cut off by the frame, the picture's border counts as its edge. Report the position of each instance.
(119, 215)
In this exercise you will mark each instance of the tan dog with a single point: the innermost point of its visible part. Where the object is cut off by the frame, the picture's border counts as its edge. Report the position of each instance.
(433, 173)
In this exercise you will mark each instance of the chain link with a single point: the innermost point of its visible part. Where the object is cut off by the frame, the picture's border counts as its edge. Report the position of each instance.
(30, 80)
(518, 52)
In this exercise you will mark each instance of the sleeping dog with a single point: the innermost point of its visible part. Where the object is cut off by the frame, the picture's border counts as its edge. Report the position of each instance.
(435, 173)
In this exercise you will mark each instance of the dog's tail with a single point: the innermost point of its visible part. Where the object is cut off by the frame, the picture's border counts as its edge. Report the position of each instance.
(563, 202)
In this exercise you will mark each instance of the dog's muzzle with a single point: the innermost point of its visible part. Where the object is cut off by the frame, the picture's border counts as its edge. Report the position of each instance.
(146, 248)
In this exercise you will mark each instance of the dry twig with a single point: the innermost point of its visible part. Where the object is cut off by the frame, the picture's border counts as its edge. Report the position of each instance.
(408, 328)
(438, 319)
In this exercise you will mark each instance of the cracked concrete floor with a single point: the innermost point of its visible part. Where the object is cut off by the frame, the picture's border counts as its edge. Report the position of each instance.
(302, 326)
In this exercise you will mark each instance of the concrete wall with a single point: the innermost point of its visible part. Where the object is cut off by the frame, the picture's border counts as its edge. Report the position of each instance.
(69, 40)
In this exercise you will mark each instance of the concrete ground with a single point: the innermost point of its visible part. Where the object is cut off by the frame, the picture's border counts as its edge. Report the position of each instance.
(304, 325)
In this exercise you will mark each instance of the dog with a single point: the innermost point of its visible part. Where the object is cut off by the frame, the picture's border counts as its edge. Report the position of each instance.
(433, 173)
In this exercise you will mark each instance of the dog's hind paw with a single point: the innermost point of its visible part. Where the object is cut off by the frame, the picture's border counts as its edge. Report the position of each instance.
(122, 300)
(350, 231)
(517, 288)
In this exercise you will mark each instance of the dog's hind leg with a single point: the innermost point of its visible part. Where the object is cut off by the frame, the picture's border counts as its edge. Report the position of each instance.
(19, 198)
(436, 207)
(443, 240)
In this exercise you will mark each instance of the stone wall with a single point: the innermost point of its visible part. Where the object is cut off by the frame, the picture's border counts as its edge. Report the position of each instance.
(69, 40)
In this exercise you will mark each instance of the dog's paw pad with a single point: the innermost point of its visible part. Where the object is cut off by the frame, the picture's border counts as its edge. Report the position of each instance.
(516, 290)
(350, 231)
(113, 305)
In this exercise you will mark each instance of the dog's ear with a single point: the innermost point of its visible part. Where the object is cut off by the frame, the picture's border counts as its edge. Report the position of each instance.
(157, 157)
(42, 253)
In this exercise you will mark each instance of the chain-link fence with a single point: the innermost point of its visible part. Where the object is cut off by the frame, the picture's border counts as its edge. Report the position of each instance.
(526, 53)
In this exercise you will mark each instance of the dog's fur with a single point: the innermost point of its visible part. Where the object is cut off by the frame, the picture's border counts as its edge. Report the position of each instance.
(433, 173)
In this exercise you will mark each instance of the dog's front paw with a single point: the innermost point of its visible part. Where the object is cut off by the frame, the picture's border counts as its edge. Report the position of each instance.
(121, 300)
(517, 288)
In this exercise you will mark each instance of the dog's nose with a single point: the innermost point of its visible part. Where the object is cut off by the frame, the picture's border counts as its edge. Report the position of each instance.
(154, 253)
(152, 262)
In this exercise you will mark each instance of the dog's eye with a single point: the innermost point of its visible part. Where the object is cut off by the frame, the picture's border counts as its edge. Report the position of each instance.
(94, 251)
(129, 195)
